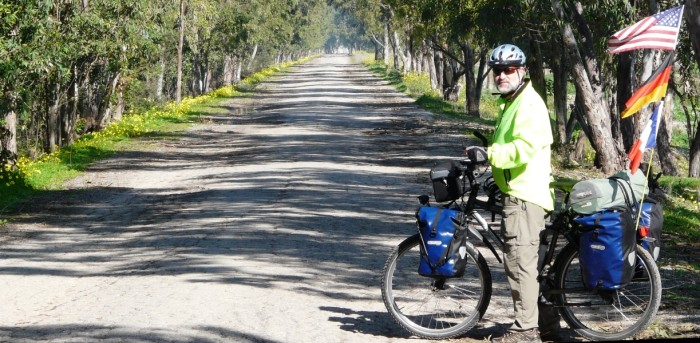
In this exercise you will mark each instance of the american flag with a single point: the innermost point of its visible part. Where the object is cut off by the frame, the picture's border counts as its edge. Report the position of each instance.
(659, 31)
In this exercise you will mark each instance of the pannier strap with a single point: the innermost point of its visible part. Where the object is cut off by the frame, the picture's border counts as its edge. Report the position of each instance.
(433, 231)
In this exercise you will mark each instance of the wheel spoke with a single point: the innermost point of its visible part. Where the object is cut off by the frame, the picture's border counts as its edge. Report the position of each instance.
(428, 311)
(613, 315)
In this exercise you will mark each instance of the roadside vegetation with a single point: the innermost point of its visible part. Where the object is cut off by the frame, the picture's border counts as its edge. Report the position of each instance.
(33, 176)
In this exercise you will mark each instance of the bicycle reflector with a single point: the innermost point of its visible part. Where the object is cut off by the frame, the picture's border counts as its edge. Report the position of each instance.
(643, 231)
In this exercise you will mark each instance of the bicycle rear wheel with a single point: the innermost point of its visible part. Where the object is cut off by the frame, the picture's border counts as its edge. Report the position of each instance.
(607, 315)
(434, 307)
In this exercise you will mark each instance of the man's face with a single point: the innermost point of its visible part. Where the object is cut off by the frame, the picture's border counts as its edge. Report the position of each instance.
(508, 78)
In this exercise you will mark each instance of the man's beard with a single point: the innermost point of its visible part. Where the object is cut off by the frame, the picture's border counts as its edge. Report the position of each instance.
(506, 88)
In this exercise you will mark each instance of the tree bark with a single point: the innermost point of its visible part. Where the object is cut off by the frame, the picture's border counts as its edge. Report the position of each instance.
(470, 81)
(560, 78)
(625, 71)
(229, 69)
(536, 68)
(70, 113)
(8, 138)
(692, 19)
(252, 57)
(439, 72)
(663, 139)
(160, 81)
(398, 52)
(609, 152)
(387, 44)
(430, 64)
(180, 44)
(52, 124)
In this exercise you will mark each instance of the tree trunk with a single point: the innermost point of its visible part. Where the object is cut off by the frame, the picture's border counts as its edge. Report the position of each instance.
(536, 68)
(160, 80)
(70, 113)
(8, 138)
(52, 125)
(229, 69)
(104, 114)
(119, 106)
(207, 76)
(239, 67)
(387, 44)
(482, 75)
(625, 71)
(418, 60)
(439, 66)
(398, 52)
(181, 42)
(430, 64)
(561, 103)
(470, 81)
(663, 138)
(692, 19)
(252, 57)
(587, 81)
(409, 55)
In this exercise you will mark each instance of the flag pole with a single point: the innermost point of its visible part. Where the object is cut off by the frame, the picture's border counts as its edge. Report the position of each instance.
(641, 201)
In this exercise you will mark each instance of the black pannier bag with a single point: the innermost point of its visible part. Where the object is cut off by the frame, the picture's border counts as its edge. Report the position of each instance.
(651, 222)
(447, 182)
(607, 246)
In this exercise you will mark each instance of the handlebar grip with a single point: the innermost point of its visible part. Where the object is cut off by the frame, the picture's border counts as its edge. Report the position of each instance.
(481, 137)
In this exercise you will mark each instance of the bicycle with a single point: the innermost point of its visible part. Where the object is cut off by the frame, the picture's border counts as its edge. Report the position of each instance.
(440, 308)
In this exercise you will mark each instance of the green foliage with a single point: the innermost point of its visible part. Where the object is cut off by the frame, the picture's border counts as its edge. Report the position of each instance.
(418, 86)
(682, 210)
(29, 176)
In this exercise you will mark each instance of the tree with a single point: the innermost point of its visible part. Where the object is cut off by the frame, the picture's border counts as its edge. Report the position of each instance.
(591, 97)
(688, 90)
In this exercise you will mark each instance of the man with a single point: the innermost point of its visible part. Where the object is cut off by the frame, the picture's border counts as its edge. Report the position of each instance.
(520, 162)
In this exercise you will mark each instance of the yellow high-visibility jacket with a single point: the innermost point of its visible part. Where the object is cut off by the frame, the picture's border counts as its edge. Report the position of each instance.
(520, 155)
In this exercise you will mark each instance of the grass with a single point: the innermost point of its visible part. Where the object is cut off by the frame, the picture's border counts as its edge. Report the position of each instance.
(417, 86)
(681, 212)
(32, 176)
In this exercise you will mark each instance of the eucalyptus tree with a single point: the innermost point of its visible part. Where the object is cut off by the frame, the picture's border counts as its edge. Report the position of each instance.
(688, 89)
(592, 100)
(22, 62)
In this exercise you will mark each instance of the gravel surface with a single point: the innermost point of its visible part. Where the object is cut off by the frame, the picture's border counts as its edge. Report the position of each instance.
(268, 222)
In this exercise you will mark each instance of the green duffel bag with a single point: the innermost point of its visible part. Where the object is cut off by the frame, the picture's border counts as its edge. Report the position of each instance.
(589, 196)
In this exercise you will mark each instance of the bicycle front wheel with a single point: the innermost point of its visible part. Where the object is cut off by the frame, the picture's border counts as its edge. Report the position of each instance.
(607, 315)
(431, 307)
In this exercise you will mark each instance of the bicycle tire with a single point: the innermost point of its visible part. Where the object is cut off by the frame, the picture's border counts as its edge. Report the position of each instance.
(431, 307)
(612, 315)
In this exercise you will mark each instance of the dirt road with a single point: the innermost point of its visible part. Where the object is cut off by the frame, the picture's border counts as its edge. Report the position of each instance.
(270, 222)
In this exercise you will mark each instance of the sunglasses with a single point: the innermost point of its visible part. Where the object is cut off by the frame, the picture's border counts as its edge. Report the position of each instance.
(508, 70)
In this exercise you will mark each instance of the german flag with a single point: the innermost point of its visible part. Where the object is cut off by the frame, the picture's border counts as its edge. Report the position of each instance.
(653, 88)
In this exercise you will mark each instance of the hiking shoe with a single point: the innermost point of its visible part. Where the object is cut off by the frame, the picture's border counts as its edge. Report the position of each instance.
(551, 336)
(512, 336)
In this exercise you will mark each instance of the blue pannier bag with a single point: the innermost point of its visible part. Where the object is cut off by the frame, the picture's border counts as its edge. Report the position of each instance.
(607, 248)
(650, 223)
(443, 243)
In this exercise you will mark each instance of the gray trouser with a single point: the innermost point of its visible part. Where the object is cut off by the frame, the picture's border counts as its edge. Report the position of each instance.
(521, 226)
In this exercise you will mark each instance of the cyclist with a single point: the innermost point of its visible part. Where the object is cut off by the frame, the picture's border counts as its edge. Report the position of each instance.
(520, 162)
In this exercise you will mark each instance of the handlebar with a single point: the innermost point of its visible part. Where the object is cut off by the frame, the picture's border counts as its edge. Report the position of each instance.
(481, 137)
